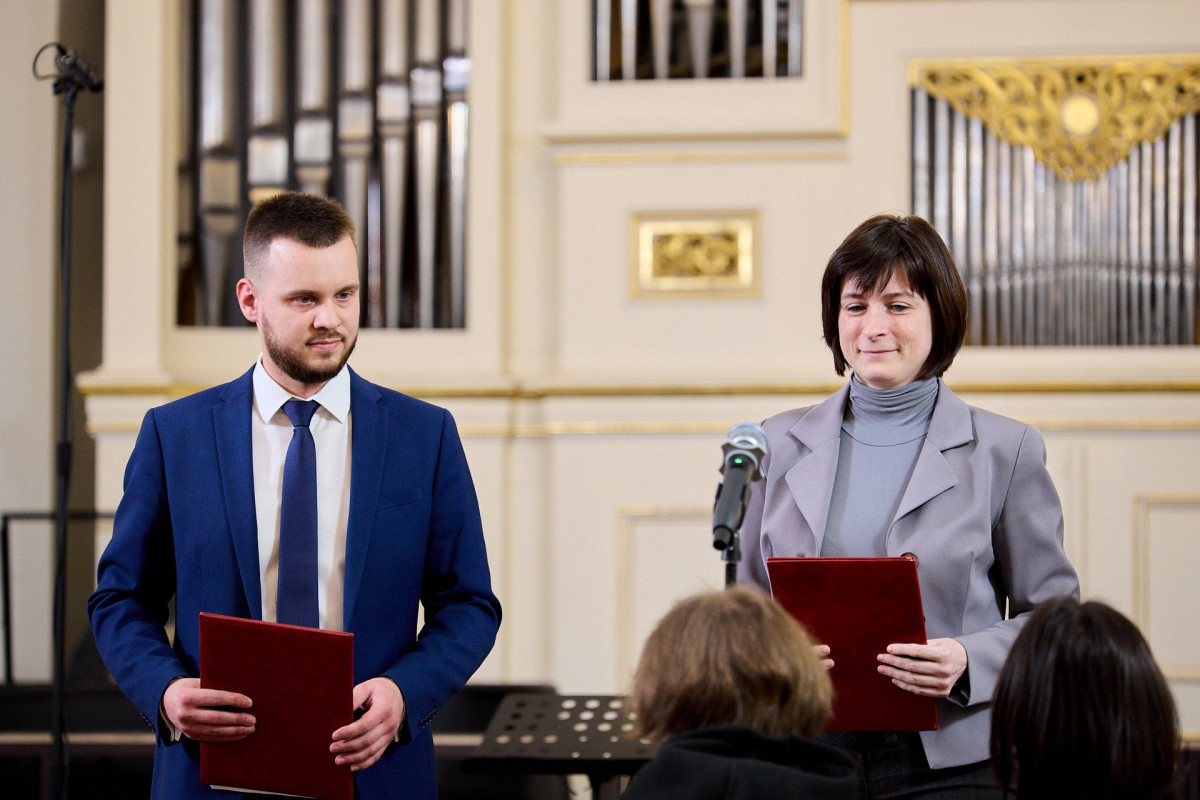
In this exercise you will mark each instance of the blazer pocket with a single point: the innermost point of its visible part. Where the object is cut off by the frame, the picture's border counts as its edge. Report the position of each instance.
(402, 497)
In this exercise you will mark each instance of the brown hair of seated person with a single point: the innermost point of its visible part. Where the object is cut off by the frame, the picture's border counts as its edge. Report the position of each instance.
(1081, 709)
(732, 657)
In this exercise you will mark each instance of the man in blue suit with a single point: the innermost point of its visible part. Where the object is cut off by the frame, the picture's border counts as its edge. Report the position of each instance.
(397, 526)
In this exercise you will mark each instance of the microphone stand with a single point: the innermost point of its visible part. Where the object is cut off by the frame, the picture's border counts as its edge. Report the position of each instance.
(68, 83)
(732, 556)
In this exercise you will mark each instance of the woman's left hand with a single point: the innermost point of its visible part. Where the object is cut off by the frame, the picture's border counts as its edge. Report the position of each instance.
(925, 669)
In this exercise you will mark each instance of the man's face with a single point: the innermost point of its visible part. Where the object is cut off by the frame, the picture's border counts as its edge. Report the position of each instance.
(305, 303)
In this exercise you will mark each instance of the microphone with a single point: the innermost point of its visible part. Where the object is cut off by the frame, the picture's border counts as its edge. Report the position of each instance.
(75, 67)
(744, 449)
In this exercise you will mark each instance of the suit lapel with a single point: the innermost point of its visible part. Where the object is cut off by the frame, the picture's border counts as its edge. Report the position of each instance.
(231, 425)
(810, 479)
(367, 450)
(949, 427)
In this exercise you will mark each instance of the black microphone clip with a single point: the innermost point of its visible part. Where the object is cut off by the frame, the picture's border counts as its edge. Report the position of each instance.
(75, 69)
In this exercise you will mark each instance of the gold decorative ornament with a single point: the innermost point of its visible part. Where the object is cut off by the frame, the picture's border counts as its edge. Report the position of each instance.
(1079, 118)
(694, 253)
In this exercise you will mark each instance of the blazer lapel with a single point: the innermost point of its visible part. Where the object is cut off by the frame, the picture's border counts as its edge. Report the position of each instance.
(231, 425)
(367, 450)
(949, 427)
(810, 479)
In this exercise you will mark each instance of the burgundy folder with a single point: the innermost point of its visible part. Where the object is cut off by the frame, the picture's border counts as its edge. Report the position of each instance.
(301, 682)
(858, 606)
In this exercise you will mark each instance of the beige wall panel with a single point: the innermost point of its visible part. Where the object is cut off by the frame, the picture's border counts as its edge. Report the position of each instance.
(29, 208)
(525, 584)
(1067, 462)
(1167, 535)
(597, 484)
(605, 330)
(1124, 471)
(1143, 541)
(664, 554)
(31, 571)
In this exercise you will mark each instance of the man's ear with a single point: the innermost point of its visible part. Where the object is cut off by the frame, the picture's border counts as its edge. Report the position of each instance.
(247, 296)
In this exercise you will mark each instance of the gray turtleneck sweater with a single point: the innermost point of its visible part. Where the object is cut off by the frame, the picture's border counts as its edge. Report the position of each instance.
(882, 433)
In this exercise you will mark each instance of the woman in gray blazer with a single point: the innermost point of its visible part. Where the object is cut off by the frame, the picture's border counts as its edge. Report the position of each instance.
(894, 463)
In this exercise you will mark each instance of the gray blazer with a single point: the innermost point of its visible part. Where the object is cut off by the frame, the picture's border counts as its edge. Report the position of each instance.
(981, 514)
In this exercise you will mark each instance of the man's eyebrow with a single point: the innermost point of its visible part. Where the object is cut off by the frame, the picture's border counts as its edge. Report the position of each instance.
(313, 292)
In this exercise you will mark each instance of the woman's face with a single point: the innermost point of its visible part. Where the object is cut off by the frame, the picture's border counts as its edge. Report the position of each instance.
(885, 335)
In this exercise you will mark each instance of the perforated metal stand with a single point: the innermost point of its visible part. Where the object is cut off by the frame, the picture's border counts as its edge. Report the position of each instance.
(554, 734)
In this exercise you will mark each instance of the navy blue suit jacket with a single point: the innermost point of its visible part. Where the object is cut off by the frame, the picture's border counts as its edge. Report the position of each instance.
(186, 528)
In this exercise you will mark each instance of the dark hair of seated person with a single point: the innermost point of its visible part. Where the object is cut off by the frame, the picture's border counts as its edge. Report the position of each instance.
(1081, 709)
(732, 657)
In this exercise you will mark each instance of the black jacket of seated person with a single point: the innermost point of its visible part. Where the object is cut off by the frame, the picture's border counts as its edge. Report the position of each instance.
(738, 763)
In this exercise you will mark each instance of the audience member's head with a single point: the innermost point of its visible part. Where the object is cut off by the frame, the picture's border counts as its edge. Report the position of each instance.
(732, 657)
(1082, 710)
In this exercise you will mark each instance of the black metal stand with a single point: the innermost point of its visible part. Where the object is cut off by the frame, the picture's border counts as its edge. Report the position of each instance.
(732, 556)
(67, 87)
(550, 734)
(73, 75)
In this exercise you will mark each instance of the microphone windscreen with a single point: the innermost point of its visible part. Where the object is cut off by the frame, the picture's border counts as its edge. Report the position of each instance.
(746, 439)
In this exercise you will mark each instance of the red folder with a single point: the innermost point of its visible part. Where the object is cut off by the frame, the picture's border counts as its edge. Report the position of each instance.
(301, 681)
(858, 606)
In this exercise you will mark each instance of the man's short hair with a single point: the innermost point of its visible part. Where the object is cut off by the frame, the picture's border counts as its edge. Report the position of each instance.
(309, 219)
(733, 657)
(876, 249)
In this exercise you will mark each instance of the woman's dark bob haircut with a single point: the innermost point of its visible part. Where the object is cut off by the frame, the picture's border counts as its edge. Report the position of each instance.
(871, 254)
(1082, 710)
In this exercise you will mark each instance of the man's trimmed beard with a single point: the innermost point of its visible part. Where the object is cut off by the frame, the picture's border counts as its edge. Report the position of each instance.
(295, 367)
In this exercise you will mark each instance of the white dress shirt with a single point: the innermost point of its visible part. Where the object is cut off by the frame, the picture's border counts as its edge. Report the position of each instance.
(271, 433)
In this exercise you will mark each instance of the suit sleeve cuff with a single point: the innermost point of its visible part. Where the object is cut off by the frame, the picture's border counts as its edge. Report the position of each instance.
(171, 734)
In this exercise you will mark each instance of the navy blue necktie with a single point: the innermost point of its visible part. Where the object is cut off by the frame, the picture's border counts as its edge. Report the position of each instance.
(296, 602)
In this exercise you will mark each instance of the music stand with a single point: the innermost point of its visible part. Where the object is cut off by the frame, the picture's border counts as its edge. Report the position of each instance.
(554, 734)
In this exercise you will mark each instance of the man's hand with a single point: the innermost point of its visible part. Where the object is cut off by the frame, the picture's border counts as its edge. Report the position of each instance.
(362, 742)
(206, 715)
(926, 669)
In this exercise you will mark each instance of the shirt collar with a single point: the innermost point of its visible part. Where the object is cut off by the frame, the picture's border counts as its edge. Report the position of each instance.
(269, 396)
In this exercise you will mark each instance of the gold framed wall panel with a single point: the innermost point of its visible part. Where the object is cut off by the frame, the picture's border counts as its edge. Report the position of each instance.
(696, 255)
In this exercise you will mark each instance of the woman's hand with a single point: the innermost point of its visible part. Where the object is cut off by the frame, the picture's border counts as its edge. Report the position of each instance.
(925, 669)
(822, 651)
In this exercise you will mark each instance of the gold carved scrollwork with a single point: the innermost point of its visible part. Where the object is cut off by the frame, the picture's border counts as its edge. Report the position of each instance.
(699, 254)
(1080, 119)
(694, 254)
